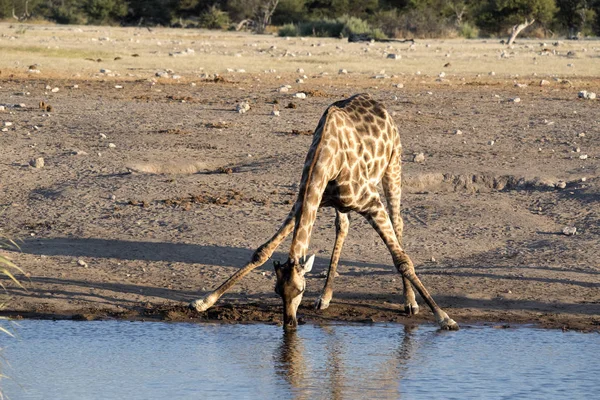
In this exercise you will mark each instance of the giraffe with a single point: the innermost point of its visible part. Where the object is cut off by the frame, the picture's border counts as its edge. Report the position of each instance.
(356, 146)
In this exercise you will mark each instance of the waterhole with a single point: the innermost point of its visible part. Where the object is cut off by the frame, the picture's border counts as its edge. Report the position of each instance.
(150, 360)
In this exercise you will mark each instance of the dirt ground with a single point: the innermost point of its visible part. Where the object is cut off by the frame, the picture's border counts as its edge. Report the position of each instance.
(155, 190)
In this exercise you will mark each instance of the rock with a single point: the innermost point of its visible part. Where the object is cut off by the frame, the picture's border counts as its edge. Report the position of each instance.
(492, 73)
(458, 132)
(82, 263)
(342, 72)
(515, 100)
(418, 157)
(275, 113)
(300, 95)
(394, 56)
(584, 94)
(299, 80)
(583, 157)
(102, 136)
(118, 87)
(283, 89)
(441, 75)
(112, 145)
(105, 71)
(55, 90)
(162, 74)
(569, 230)
(2, 108)
(300, 71)
(37, 162)
(491, 142)
(399, 85)
(544, 82)
(561, 185)
(242, 107)
(8, 123)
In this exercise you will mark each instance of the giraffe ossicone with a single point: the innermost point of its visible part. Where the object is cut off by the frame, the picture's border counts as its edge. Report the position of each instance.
(355, 147)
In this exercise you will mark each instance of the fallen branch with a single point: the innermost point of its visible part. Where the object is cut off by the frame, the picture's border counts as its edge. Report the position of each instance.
(517, 29)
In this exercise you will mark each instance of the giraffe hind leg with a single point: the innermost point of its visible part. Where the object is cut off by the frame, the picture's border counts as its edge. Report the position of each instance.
(393, 192)
(341, 231)
(379, 219)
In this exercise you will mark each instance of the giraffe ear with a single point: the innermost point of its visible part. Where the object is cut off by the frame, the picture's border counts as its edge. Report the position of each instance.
(307, 267)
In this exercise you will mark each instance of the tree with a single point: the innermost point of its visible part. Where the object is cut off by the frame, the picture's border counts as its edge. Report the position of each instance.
(496, 16)
(104, 11)
(572, 14)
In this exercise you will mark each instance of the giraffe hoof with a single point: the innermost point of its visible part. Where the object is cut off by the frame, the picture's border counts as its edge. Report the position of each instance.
(321, 304)
(448, 324)
(199, 305)
(411, 309)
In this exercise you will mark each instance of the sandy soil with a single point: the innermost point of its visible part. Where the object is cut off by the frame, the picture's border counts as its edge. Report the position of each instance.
(113, 232)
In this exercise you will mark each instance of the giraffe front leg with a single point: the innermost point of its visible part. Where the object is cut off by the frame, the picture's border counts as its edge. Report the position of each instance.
(341, 231)
(260, 256)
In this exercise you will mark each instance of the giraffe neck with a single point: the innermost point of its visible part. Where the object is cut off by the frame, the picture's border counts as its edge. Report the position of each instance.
(316, 175)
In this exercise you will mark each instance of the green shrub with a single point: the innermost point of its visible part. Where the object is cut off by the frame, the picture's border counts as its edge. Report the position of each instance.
(288, 30)
(468, 31)
(353, 25)
(343, 26)
(214, 18)
(321, 28)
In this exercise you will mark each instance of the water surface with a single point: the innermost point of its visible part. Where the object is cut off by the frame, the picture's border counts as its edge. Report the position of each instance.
(150, 360)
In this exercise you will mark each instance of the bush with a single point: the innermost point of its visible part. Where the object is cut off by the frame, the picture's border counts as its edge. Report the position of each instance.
(468, 31)
(67, 15)
(288, 30)
(353, 25)
(343, 26)
(321, 28)
(214, 18)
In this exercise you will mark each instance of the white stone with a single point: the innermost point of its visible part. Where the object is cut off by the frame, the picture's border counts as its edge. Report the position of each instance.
(583, 157)
(55, 90)
(300, 95)
(419, 157)
(37, 162)
(342, 71)
(82, 263)
(112, 145)
(242, 107)
(569, 230)
(275, 113)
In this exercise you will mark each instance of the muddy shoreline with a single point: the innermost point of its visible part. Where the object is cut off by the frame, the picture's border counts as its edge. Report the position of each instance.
(154, 190)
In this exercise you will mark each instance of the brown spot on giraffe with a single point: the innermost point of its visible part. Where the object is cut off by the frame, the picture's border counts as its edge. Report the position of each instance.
(351, 186)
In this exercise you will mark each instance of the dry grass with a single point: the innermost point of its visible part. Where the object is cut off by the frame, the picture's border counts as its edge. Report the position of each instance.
(65, 52)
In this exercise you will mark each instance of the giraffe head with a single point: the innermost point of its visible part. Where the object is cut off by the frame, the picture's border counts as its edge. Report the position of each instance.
(290, 287)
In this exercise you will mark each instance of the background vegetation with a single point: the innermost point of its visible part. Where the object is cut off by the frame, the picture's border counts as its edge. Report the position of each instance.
(378, 18)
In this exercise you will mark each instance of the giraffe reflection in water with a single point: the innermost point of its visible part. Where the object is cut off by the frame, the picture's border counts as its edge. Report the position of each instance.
(338, 375)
